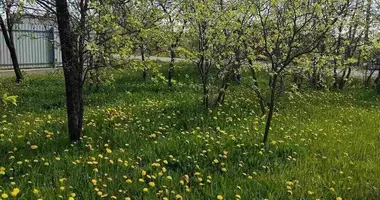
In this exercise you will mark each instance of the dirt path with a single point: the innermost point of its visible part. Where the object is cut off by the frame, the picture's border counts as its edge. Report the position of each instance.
(42, 71)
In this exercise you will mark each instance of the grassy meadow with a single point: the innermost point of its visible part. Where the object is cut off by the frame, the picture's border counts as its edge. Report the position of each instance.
(146, 141)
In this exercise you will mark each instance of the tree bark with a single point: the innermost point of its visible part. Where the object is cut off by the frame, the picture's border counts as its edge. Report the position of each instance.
(142, 49)
(367, 79)
(203, 64)
(377, 82)
(256, 86)
(8, 37)
(171, 67)
(344, 78)
(298, 79)
(222, 90)
(73, 72)
(349, 70)
(271, 108)
(338, 46)
(205, 92)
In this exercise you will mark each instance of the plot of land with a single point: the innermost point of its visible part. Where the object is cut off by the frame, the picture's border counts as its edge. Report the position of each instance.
(151, 142)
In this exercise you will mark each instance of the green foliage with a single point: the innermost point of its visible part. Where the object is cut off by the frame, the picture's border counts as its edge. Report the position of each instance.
(5, 99)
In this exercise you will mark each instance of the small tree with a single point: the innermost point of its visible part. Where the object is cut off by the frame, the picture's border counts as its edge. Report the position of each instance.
(173, 26)
(12, 10)
(289, 30)
(140, 20)
(348, 42)
(212, 24)
(377, 81)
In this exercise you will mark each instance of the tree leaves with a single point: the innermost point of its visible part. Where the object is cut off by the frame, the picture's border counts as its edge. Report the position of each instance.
(5, 99)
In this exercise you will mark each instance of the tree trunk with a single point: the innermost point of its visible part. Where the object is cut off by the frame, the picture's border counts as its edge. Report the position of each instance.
(282, 84)
(238, 65)
(204, 78)
(314, 79)
(346, 75)
(367, 79)
(342, 80)
(222, 90)
(74, 101)
(205, 92)
(338, 45)
(203, 64)
(8, 37)
(367, 83)
(377, 81)
(16, 66)
(145, 71)
(271, 108)
(73, 72)
(94, 73)
(171, 67)
(256, 86)
(336, 78)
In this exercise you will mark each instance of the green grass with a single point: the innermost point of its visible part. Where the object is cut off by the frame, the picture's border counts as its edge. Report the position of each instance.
(323, 143)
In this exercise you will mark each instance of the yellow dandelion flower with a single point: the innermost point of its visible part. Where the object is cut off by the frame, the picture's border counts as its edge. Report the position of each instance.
(145, 190)
(4, 196)
(35, 191)
(2, 170)
(143, 173)
(219, 197)
(289, 183)
(15, 192)
(108, 150)
(71, 198)
(152, 184)
(339, 198)
(33, 147)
